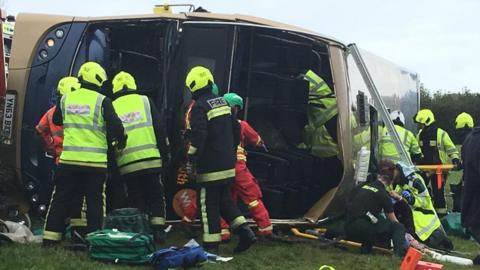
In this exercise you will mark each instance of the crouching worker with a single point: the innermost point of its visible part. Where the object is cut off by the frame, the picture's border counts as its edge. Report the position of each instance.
(245, 187)
(415, 209)
(140, 162)
(365, 224)
(211, 161)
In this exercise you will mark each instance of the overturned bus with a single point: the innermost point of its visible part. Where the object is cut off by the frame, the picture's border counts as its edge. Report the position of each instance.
(261, 60)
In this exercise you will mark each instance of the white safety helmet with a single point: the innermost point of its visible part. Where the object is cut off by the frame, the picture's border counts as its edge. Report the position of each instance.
(397, 115)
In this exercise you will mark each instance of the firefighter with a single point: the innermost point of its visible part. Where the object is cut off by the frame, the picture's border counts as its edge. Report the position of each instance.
(90, 124)
(52, 136)
(140, 162)
(463, 125)
(320, 134)
(409, 141)
(211, 160)
(414, 207)
(437, 148)
(364, 222)
(245, 186)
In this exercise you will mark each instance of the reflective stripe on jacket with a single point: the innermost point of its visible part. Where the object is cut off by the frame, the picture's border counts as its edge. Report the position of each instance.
(446, 148)
(85, 142)
(322, 104)
(424, 216)
(387, 147)
(214, 138)
(141, 151)
(248, 136)
(319, 142)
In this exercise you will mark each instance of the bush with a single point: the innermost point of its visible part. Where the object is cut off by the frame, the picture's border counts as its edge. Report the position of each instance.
(446, 106)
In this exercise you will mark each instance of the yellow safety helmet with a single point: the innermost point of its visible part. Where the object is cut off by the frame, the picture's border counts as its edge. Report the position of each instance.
(464, 120)
(93, 73)
(425, 117)
(67, 85)
(198, 78)
(123, 80)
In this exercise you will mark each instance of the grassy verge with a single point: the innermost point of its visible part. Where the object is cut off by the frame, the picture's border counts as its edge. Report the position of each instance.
(264, 255)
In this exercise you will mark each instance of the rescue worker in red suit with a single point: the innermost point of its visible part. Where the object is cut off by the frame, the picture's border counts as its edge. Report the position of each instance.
(245, 187)
(52, 136)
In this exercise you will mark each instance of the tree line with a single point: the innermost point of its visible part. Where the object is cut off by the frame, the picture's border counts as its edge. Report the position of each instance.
(446, 106)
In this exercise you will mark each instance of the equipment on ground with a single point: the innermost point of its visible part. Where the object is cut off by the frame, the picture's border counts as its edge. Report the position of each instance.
(128, 220)
(347, 243)
(120, 247)
(173, 257)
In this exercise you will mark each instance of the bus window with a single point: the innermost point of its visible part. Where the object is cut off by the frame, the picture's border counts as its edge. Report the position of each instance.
(134, 47)
(268, 72)
(202, 44)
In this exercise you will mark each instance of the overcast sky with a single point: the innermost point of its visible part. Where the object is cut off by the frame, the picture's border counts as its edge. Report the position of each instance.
(439, 39)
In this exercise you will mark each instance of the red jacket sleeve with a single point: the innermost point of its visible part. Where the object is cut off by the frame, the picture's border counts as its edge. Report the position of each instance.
(43, 129)
(249, 135)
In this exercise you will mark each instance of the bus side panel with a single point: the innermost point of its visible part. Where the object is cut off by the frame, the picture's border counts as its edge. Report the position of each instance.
(40, 96)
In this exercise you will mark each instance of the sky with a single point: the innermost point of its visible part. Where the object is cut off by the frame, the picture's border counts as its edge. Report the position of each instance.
(438, 39)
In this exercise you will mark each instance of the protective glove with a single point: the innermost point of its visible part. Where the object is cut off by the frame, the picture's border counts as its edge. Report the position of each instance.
(120, 145)
(408, 196)
(457, 163)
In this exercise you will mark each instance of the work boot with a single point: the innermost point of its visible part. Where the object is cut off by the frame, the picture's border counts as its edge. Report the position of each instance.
(211, 247)
(246, 238)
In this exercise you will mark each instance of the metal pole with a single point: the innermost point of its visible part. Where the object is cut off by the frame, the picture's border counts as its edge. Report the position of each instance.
(382, 109)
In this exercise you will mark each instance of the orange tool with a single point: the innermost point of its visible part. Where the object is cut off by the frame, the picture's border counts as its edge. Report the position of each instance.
(439, 169)
(411, 259)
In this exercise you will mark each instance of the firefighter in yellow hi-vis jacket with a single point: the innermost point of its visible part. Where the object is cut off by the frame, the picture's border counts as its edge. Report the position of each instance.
(140, 163)
(437, 148)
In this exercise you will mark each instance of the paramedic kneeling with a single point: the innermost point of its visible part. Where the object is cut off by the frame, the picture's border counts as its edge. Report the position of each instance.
(365, 224)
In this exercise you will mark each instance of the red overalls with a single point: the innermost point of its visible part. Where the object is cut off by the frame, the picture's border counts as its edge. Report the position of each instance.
(246, 187)
(51, 134)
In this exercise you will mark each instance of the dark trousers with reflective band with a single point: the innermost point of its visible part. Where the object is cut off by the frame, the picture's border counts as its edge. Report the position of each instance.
(78, 214)
(146, 192)
(116, 195)
(438, 195)
(215, 201)
(69, 184)
(364, 231)
(77, 211)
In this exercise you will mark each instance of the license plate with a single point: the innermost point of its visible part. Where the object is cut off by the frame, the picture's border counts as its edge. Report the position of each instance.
(8, 117)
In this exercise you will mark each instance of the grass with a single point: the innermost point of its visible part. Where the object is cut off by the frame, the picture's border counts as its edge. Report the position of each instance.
(264, 255)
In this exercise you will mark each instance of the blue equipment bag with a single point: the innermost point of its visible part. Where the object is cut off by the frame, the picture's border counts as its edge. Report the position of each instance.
(173, 257)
